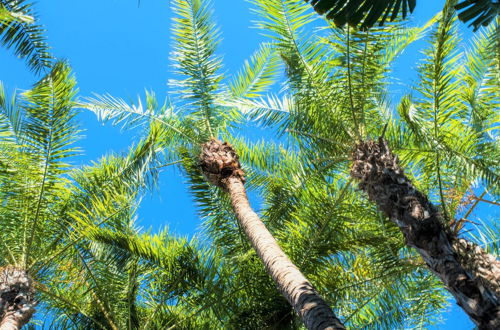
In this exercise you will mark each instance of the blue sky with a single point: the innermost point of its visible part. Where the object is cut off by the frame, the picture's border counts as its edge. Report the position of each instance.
(118, 47)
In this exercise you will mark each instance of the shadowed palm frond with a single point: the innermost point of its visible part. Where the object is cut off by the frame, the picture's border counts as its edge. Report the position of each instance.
(365, 12)
(480, 12)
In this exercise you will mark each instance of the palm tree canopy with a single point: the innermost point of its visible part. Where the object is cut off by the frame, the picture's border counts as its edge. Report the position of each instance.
(308, 204)
(107, 273)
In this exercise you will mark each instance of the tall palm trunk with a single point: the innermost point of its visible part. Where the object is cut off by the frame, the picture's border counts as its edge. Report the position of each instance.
(16, 298)
(467, 271)
(220, 165)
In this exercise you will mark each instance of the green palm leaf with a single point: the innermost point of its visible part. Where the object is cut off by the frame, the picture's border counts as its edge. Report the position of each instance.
(19, 30)
(196, 37)
(257, 74)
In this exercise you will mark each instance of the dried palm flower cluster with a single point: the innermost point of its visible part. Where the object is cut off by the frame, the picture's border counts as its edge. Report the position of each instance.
(219, 162)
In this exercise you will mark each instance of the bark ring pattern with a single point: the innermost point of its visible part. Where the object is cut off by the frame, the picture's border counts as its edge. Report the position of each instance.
(470, 274)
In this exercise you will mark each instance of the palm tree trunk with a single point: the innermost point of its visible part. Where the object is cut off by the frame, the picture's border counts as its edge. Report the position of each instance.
(16, 298)
(13, 321)
(220, 164)
(470, 274)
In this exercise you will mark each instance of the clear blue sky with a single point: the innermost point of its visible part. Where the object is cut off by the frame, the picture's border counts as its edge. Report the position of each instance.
(118, 47)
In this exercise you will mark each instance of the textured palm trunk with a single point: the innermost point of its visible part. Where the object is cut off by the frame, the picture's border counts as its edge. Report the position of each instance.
(16, 298)
(470, 274)
(220, 165)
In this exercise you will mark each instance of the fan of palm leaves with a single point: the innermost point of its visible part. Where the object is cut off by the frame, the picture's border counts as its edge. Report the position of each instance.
(366, 12)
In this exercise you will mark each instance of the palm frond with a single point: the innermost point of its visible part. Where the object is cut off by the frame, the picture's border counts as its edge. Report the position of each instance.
(49, 111)
(257, 74)
(11, 118)
(366, 13)
(19, 30)
(7, 16)
(195, 40)
(131, 172)
(120, 112)
(268, 111)
(46, 139)
(480, 12)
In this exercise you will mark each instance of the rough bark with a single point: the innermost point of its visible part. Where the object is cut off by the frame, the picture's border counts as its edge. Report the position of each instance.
(470, 274)
(221, 166)
(16, 298)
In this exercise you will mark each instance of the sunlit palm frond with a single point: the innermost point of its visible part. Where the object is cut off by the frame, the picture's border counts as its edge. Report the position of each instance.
(270, 111)
(20, 30)
(195, 40)
(284, 22)
(42, 133)
(257, 74)
(49, 108)
(481, 81)
(10, 118)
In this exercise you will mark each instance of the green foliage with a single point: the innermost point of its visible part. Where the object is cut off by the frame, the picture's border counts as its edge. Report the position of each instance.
(195, 39)
(257, 75)
(37, 136)
(307, 201)
(446, 140)
(72, 228)
(19, 30)
(95, 269)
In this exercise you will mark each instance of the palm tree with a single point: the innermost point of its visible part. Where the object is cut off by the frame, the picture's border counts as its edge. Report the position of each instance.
(42, 197)
(468, 272)
(220, 164)
(19, 29)
(320, 222)
(334, 106)
(37, 137)
(195, 43)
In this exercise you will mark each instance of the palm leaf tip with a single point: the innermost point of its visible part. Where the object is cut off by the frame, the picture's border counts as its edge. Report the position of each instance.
(366, 13)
